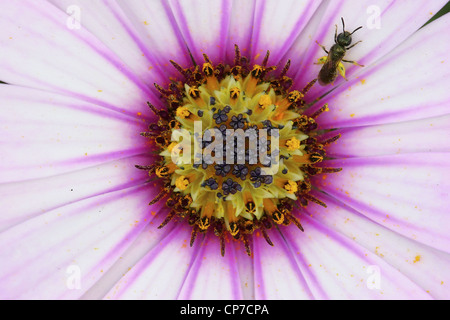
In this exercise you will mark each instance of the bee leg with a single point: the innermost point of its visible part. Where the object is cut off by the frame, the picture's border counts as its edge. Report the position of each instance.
(341, 70)
(354, 62)
(323, 47)
(321, 60)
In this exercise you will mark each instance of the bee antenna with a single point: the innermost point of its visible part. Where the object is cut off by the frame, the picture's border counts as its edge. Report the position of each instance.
(343, 24)
(356, 30)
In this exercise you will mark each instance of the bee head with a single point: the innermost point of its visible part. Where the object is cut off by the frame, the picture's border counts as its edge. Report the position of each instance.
(345, 38)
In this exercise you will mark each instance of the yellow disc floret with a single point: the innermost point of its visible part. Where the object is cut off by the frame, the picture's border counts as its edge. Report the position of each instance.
(291, 187)
(265, 101)
(183, 112)
(293, 144)
(182, 182)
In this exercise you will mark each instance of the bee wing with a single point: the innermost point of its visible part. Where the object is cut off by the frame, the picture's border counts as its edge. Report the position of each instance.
(328, 72)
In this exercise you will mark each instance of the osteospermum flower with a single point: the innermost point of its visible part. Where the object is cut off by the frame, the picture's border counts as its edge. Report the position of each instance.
(364, 173)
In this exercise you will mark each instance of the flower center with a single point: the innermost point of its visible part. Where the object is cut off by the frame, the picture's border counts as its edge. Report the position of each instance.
(247, 150)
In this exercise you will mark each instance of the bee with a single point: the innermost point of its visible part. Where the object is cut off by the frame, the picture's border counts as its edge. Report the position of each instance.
(332, 63)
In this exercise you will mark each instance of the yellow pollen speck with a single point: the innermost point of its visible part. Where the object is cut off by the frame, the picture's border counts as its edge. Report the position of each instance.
(182, 183)
(291, 187)
(183, 112)
(146, 23)
(416, 259)
(264, 101)
(352, 115)
(363, 81)
(293, 144)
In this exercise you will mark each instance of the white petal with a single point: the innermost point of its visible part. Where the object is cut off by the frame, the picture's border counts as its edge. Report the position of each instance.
(240, 29)
(407, 193)
(425, 135)
(45, 134)
(276, 26)
(277, 274)
(42, 49)
(335, 267)
(62, 253)
(158, 34)
(109, 24)
(160, 273)
(46, 194)
(204, 26)
(424, 266)
(211, 275)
